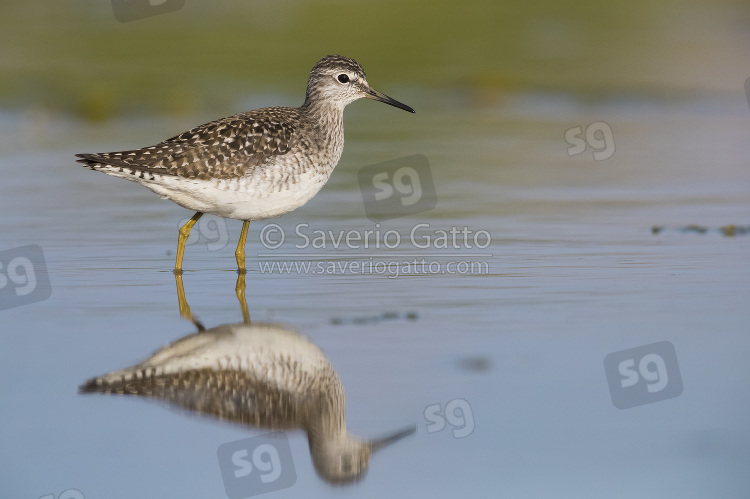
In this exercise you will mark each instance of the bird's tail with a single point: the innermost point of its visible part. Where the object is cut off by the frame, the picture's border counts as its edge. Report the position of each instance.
(125, 382)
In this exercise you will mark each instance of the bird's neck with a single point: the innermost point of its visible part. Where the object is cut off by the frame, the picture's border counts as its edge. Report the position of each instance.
(326, 113)
(327, 420)
(327, 122)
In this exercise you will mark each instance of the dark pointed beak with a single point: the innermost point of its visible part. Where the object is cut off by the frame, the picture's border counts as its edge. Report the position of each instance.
(375, 95)
(384, 442)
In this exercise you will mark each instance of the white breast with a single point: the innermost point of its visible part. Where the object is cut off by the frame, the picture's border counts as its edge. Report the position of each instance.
(241, 199)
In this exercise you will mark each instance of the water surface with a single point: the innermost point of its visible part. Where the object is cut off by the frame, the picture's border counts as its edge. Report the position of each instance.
(574, 272)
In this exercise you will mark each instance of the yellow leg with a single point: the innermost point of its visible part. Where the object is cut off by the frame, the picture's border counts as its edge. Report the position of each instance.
(240, 290)
(240, 253)
(182, 239)
(184, 307)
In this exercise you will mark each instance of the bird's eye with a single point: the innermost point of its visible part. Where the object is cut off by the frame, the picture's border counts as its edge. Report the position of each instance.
(343, 78)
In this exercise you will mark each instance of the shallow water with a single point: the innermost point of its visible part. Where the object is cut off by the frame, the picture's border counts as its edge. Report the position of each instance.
(573, 273)
(559, 136)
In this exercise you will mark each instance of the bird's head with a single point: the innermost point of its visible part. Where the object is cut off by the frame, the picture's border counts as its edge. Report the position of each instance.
(345, 459)
(340, 80)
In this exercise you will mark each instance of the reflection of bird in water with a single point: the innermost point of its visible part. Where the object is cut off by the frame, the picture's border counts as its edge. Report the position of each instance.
(255, 374)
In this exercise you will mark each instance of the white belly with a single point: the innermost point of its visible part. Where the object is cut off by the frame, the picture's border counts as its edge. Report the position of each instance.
(241, 199)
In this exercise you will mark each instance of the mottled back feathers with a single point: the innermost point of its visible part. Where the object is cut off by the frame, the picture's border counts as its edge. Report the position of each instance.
(222, 149)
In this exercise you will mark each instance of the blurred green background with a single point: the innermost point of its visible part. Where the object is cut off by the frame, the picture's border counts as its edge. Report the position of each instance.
(75, 57)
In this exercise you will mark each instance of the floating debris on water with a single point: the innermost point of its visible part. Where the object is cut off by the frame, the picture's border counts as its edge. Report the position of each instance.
(694, 228)
(374, 319)
(730, 230)
(734, 230)
(475, 364)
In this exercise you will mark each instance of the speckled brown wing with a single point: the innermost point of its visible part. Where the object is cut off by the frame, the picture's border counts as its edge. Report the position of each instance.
(222, 149)
(227, 395)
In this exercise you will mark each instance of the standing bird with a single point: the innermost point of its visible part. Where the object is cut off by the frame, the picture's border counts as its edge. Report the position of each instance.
(253, 165)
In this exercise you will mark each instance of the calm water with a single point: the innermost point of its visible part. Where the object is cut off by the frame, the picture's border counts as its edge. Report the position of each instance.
(574, 273)
(578, 353)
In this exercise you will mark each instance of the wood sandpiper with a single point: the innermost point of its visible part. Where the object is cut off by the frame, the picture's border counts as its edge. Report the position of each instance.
(259, 375)
(252, 165)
